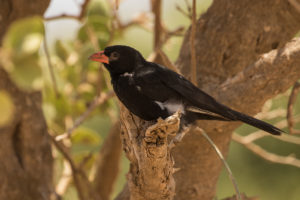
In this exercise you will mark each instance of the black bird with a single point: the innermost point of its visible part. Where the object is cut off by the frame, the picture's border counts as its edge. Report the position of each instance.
(150, 91)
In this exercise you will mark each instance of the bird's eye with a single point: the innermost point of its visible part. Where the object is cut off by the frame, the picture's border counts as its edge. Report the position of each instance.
(114, 56)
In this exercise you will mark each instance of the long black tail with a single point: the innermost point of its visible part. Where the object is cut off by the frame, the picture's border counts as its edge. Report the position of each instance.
(255, 122)
(217, 111)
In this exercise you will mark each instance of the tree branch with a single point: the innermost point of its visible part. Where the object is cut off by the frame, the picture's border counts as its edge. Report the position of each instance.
(192, 45)
(148, 149)
(287, 160)
(230, 43)
(292, 100)
(103, 97)
(76, 17)
(220, 155)
(108, 163)
(80, 178)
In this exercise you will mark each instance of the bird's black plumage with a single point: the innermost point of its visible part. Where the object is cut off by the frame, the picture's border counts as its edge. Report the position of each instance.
(150, 91)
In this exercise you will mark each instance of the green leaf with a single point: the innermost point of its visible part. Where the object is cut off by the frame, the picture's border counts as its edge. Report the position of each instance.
(85, 135)
(23, 41)
(25, 35)
(61, 50)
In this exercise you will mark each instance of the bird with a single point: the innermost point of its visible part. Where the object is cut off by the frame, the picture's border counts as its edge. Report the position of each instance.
(151, 91)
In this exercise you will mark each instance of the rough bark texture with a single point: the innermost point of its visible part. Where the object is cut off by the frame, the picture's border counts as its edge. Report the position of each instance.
(230, 37)
(25, 151)
(148, 148)
(10, 10)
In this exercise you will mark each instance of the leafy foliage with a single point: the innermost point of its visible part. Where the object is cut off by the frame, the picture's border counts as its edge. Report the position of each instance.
(22, 43)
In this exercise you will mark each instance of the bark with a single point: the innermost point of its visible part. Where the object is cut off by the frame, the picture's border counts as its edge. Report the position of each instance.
(230, 37)
(148, 148)
(108, 163)
(10, 10)
(25, 151)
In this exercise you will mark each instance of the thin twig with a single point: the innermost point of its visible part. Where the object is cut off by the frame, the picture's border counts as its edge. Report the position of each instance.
(219, 153)
(103, 97)
(292, 100)
(188, 6)
(287, 160)
(186, 14)
(156, 10)
(117, 3)
(62, 148)
(280, 112)
(50, 66)
(169, 34)
(65, 179)
(192, 46)
(66, 16)
(62, 16)
(284, 137)
(167, 61)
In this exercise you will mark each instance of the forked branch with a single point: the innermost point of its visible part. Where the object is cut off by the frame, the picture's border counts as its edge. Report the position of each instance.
(148, 147)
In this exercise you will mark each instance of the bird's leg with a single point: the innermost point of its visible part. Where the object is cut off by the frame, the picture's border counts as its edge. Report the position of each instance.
(179, 136)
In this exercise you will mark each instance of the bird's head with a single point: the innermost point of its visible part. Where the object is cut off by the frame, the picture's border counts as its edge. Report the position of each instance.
(119, 59)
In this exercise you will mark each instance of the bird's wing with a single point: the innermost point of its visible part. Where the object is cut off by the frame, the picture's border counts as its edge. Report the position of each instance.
(198, 99)
(161, 84)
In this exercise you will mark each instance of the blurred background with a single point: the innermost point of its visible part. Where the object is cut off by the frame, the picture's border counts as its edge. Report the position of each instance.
(74, 82)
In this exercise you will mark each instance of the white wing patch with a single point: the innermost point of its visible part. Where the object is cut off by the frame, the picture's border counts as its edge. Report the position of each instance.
(171, 106)
(138, 88)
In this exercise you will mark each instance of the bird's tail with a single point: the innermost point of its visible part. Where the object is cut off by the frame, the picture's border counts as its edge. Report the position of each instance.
(254, 122)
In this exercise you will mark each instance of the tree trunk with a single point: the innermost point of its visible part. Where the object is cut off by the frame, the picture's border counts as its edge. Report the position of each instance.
(230, 38)
(25, 151)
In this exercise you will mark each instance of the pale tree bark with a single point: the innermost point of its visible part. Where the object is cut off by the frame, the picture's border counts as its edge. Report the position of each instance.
(25, 151)
(148, 148)
(230, 38)
(243, 59)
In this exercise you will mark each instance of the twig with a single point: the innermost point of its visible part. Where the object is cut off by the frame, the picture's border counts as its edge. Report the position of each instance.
(117, 3)
(292, 100)
(62, 16)
(287, 160)
(285, 137)
(103, 97)
(168, 34)
(65, 179)
(156, 9)
(183, 12)
(61, 147)
(108, 161)
(85, 159)
(66, 16)
(192, 45)
(280, 112)
(219, 153)
(167, 61)
(188, 6)
(50, 66)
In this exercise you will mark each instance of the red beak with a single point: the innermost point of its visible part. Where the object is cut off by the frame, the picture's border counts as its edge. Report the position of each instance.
(99, 57)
